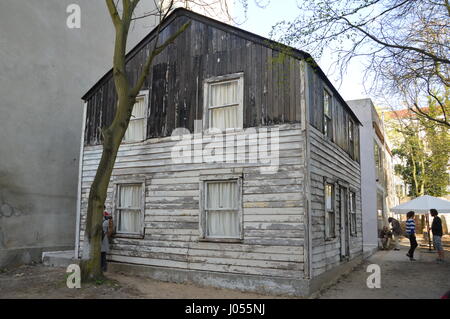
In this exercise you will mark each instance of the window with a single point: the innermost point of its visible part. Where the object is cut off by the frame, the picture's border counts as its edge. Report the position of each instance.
(327, 122)
(378, 162)
(222, 209)
(129, 209)
(224, 106)
(330, 222)
(136, 131)
(351, 138)
(352, 207)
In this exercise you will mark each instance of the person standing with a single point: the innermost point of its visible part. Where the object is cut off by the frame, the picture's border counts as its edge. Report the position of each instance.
(107, 228)
(436, 229)
(396, 231)
(411, 232)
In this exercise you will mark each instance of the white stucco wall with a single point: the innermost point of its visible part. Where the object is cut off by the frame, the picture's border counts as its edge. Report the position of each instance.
(45, 68)
(363, 110)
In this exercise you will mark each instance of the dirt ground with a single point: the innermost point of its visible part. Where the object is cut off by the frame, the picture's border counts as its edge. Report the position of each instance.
(38, 281)
(400, 278)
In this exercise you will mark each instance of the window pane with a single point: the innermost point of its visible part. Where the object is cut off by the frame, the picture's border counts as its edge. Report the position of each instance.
(224, 93)
(222, 195)
(350, 130)
(331, 226)
(138, 108)
(224, 117)
(130, 196)
(135, 131)
(353, 223)
(129, 221)
(223, 224)
(328, 197)
(326, 103)
(353, 199)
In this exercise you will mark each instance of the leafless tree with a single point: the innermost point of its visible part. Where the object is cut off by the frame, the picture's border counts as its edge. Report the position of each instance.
(404, 43)
(122, 14)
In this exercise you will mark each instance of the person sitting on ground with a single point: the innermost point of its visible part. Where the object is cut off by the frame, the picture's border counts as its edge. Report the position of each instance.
(396, 231)
(384, 238)
(411, 234)
(436, 229)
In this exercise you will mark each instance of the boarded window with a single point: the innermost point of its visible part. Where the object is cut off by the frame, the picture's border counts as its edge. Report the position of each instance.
(327, 117)
(224, 107)
(129, 209)
(330, 221)
(222, 211)
(136, 130)
(352, 206)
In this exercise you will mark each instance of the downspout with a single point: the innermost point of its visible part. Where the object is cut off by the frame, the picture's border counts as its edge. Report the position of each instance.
(80, 173)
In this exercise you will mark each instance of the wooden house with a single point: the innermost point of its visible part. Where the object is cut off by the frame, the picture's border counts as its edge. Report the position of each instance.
(278, 212)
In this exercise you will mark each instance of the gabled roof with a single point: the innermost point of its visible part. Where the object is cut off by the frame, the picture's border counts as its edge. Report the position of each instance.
(178, 12)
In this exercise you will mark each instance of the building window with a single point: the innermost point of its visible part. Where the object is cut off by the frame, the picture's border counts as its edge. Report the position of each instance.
(351, 138)
(224, 102)
(378, 154)
(137, 128)
(330, 221)
(352, 208)
(129, 209)
(222, 213)
(327, 111)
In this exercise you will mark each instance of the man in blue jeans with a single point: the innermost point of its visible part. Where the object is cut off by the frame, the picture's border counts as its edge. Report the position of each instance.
(436, 228)
(411, 233)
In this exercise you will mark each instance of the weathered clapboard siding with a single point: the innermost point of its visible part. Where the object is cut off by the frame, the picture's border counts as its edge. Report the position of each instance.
(271, 80)
(273, 209)
(327, 160)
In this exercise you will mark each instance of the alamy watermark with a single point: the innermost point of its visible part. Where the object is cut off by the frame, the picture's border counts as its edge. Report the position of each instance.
(374, 280)
(74, 277)
(259, 146)
(74, 18)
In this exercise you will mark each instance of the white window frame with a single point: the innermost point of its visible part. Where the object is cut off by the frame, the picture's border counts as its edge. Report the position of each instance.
(116, 208)
(203, 211)
(330, 129)
(330, 214)
(142, 94)
(239, 77)
(352, 212)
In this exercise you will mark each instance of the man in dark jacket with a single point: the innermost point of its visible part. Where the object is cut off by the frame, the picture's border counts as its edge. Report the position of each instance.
(436, 228)
(396, 231)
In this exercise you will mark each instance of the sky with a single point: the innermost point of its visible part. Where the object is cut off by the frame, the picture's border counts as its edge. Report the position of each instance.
(260, 21)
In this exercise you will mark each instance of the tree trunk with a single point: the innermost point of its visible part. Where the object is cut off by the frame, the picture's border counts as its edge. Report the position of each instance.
(112, 137)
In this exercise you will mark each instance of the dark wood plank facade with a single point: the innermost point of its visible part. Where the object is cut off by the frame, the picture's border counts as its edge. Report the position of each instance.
(208, 48)
(271, 81)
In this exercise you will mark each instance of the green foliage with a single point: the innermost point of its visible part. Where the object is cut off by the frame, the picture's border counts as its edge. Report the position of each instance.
(425, 152)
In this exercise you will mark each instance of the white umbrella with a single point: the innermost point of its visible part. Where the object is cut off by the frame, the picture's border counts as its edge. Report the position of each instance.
(422, 205)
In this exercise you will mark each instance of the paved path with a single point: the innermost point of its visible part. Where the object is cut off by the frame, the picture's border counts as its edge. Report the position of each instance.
(400, 278)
